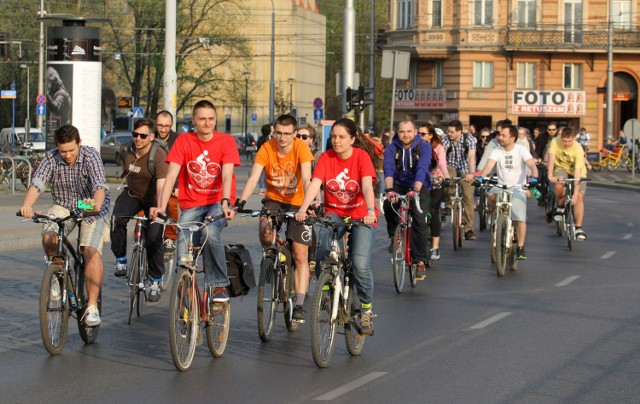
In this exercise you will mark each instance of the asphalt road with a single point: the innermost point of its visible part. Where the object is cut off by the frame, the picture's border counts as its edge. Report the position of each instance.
(564, 328)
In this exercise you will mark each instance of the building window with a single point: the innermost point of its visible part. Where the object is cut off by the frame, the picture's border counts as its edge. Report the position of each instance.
(621, 14)
(437, 74)
(436, 13)
(483, 74)
(483, 12)
(572, 79)
(413, 74)
(526, 14)
(404, 10)
(573, 21)
(526, 75)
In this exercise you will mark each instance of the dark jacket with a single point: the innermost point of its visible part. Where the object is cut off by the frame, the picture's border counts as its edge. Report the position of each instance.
(408, 170)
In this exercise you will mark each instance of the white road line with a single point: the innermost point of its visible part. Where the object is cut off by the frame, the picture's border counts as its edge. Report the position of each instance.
(350, 386)
(627, 236)
(629, 224)
(567, 281)
(608, 255)
(490, 320)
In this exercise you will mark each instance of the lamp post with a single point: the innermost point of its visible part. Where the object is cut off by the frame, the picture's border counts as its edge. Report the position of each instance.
(24, 66)
(272, 85)
(291, 80)
(246, 107)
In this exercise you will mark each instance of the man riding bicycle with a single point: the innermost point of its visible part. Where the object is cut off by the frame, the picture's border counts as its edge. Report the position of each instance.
(141, 193)
(75, 173)
(286, 161)
(406, 169)
(511, 161)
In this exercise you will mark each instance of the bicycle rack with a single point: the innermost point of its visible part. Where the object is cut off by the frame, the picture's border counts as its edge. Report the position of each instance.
(12, 160)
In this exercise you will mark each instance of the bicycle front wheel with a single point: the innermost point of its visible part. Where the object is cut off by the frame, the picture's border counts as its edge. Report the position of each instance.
(54, 309)
(133, 280)
(183, 319)
(501, 248)
(482, 208)
(612, 165)
(456, 226)
(323, 327)
(169, 271)
(570, 226)
(267, 299)
(218, 328)
(399, 259)
(352, 336)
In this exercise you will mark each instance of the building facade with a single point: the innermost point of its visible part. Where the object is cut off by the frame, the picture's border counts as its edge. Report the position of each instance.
(531, 61)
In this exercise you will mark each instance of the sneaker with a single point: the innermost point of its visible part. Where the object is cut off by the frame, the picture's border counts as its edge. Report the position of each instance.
(120, 269)
(169, 249)
(220, 295)
(92, 316)
(312, 266)
(581, 235)
(391, 246)
(154, 292)
(520, 254)
(54, 293)
(469, 235)
(559, 215)
(435, 254)
(298, 313)
(443, 219)
(446, 211)
(366, 322)
(421, 272)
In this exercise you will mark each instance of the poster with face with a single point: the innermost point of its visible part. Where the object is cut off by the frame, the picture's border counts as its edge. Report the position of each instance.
(58, 93)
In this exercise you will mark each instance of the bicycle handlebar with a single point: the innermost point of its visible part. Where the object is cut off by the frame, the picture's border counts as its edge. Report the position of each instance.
(403, 198)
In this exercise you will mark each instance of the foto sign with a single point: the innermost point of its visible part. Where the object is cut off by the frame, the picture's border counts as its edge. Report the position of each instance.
(548, 102)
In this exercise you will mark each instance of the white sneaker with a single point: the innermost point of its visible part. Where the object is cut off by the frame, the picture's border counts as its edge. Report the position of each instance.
(169, 249)
(92, 316)
(559, 214)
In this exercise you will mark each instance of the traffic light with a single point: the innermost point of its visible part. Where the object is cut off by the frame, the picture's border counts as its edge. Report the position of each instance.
(361, 97)
(349, 99)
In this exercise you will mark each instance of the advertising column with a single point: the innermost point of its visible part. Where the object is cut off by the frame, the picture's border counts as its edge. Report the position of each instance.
(74, 80)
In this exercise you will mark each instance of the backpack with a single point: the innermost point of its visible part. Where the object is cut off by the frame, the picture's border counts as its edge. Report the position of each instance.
(415, 156)
(152, 153)
(434, 160)
(465, 143)
(239, 270)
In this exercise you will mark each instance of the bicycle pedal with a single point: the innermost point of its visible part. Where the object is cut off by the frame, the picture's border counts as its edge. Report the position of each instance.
(297, 321)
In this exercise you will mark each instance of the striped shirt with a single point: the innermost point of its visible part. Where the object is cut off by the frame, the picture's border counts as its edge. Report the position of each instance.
(457, 158)
(70, 183)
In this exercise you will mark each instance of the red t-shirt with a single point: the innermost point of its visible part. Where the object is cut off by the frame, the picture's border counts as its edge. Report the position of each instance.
(200, 179)
(343, 182)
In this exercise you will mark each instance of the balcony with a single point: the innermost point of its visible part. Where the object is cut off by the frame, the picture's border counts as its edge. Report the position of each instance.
(574, 37)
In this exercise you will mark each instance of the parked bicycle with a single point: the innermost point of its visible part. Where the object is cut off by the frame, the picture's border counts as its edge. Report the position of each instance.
(335, 301)
(63, 290)
(457, 224)
(567, 223)
(401, 242)
(189, 305)
(276, 283)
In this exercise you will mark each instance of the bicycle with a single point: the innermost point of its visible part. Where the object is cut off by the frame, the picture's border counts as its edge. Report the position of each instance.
(484, 210)
(335, 301)
(276, 284)
(567, 222)
(457, 225)
(63, 290)
(401, 258)
(189, 306)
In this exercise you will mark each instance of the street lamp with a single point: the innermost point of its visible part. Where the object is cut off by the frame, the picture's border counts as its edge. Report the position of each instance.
(246, 107)
(24, 66)
(291, 80)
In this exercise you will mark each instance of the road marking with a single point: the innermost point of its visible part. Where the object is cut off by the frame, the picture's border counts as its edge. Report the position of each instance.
(567, 281)
(629, 224)
(627, 236)
(608, 255)
(333, 394)
(490, 320)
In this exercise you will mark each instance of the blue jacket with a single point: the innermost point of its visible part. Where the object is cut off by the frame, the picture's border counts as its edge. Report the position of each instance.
(408, 171)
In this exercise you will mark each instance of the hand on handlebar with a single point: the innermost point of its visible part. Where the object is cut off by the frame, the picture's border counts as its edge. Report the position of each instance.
(155, 211)
(301, 216)
(392, 196)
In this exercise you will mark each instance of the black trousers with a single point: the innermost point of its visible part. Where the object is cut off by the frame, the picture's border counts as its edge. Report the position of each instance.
(127, 205)
(419, 228)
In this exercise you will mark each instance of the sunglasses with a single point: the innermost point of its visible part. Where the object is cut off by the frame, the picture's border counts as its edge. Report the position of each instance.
(423, 133)
(142, 135)
(484, 137)
(552, 129)
(304, 136)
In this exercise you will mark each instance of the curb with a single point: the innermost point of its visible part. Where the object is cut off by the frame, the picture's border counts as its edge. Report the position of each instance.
(616, 186)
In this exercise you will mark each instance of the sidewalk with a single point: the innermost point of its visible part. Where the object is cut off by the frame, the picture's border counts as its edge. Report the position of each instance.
(19, 235)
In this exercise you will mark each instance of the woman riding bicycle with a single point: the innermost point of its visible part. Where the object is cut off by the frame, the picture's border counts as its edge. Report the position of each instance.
(347, 173)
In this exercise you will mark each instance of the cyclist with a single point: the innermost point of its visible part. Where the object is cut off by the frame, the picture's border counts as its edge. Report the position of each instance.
(511, 161)
(165, 133)
(140, 194)
(566, 160)
(75, 172)
(203, 162)
(406, 169)
(286, 161)
(348, 173)
(461, 159)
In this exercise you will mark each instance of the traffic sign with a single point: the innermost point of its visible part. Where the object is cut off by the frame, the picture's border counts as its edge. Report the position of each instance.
(41, 99)
(317, 103)
(41, 109)
(8, 94)
(125, 102)
(137, 112)
(318, 114)
(254, 117)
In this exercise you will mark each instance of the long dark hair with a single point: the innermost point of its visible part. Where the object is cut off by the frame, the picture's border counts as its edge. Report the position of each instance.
(361, 141)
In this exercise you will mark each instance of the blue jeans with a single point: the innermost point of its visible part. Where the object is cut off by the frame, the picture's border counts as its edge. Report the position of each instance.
(362, 238)
(262, 184)
(215, 263)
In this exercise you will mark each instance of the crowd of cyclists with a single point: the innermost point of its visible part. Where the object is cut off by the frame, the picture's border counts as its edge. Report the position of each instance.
(195, 171)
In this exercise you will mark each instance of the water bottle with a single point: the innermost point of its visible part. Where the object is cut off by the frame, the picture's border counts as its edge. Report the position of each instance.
(536, 193)
(72, 300)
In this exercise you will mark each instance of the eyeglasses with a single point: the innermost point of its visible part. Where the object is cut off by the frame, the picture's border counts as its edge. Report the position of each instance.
(164, 126)
(304, 136)
(423, 133)
(284, 133)
(143, 136)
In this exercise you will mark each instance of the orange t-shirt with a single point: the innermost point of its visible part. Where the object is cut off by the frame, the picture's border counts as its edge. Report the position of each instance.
(283, 175)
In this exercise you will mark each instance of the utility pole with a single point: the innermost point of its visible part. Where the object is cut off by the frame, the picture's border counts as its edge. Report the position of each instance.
(170, 79)
(348, 51)
(372, 61)
(272, 85)
(40, 118)
(609, 132)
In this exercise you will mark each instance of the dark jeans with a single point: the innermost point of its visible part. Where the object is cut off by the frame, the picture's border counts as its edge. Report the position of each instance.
(127, 205)
(419, 229)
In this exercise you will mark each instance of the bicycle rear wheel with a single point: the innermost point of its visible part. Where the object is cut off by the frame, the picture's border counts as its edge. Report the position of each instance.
(492, 245)
(169, 271)
(399, 259)
(292, 325)
(570, 226)
(501, 250)
(183, 319)
(132, 281)
(612, 165)
(218, 328)
(54, 309)
(352, 337)
(482, 208)
(456, 226)
(88, 334)
(267, 299)
(323, 327)
(142, 291)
